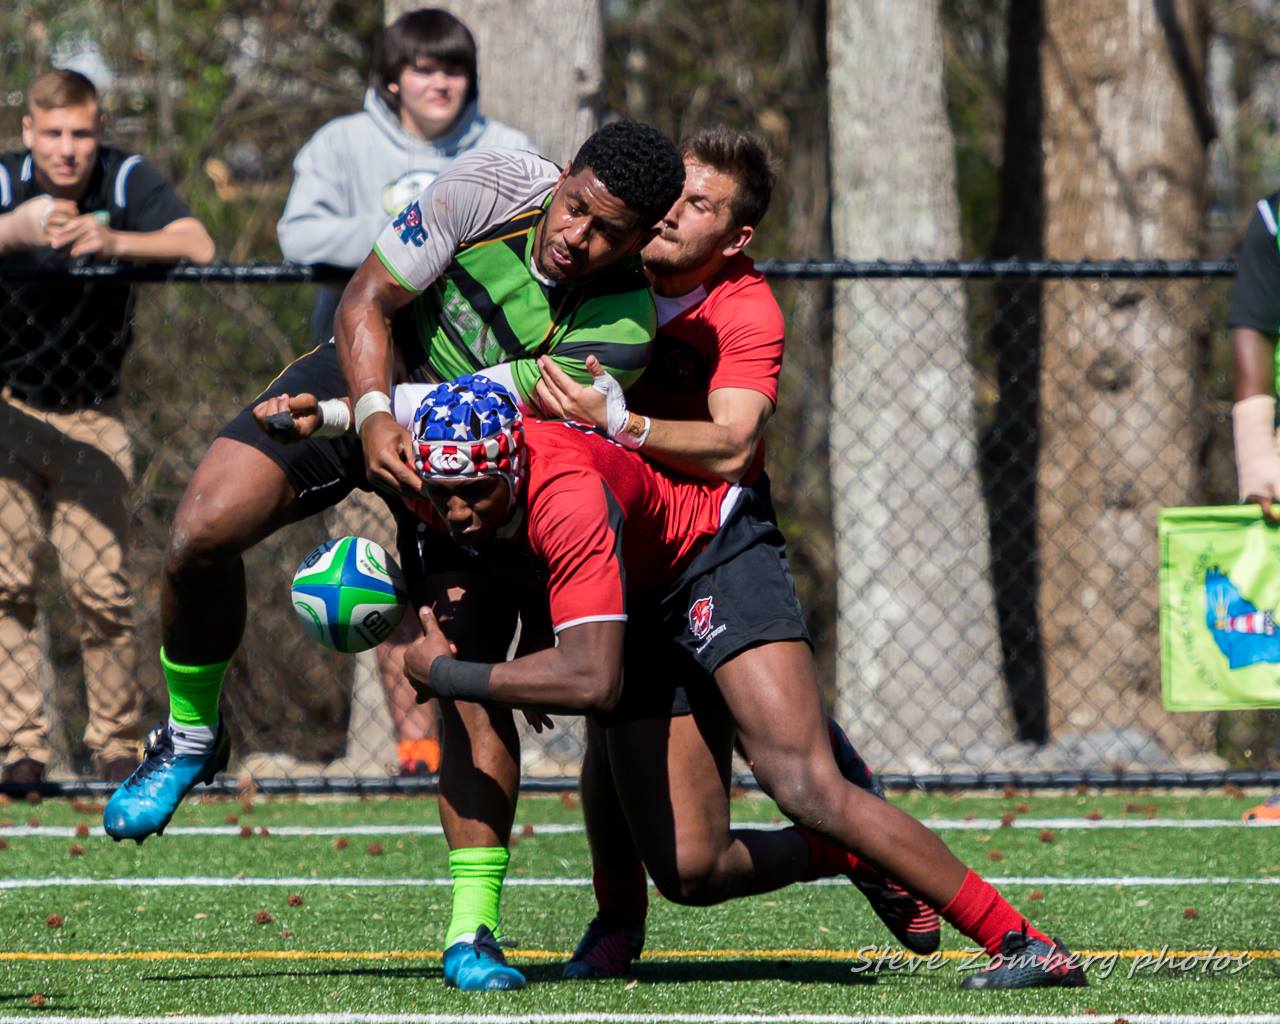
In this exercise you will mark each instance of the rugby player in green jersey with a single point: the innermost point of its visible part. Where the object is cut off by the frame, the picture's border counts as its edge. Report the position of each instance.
(501, 260)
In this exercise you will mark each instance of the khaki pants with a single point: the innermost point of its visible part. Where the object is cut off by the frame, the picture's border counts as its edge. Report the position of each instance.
(65, 478)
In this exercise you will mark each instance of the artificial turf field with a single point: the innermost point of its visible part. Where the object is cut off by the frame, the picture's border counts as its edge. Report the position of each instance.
(337, 913)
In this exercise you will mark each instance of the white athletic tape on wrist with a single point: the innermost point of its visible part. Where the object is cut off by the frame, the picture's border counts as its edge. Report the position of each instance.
(371, 402)
(1257, 460)
(335, 418)
(615, 404)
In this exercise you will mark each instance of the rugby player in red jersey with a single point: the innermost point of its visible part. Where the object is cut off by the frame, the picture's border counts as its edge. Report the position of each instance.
(626, 552)
(709, 390)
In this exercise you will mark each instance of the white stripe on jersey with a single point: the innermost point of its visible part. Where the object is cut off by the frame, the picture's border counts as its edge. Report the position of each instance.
(122, 175)
(6, 187)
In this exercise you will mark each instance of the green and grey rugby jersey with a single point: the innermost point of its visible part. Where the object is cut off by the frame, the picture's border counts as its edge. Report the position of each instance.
(465, 247)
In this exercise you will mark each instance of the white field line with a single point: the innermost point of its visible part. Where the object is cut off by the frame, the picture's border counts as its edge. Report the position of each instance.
(223, 882)
(645, 1018)
(936, 824)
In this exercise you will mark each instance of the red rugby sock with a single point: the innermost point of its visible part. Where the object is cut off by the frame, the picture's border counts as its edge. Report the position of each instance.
(623, 895)
(981, 913)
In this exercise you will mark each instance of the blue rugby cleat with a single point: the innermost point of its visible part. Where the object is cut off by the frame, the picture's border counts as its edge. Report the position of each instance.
(478, 965)
(146, 800)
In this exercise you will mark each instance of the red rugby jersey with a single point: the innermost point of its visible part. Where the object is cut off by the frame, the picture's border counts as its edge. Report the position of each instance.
(606, 523)
(728, 334)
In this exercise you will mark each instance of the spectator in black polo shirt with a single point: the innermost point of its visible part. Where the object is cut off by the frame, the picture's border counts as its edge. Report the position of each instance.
(65, 462)
(1254, 319)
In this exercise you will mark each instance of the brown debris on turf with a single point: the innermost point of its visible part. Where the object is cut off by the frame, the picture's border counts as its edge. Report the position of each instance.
(5, 799)
(1035, 895)
(34, 797)
(1010, 791)
(1047, 836)
(341, 843)
(995, 855)
(526, 830)
(374, 849)
(1007, 819)
(1094, 815)
(1023, 809)
(245, 832)
(4, 844)
(286, 934)
(263, 917)
(54, 920)
(1147, 809)
(33, 823)
(295, 900)
(82, 830)
(569, 800)
(1233, 790)
(1191, 913)
(37, 999)
(1080, 789)
(262, 830)
(76, 850)
(231, 819)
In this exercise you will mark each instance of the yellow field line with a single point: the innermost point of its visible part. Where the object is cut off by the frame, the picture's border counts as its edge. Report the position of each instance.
(657, 954)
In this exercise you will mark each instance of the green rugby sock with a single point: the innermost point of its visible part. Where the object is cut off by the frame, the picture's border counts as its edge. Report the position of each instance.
(193, 691)
(478, 873)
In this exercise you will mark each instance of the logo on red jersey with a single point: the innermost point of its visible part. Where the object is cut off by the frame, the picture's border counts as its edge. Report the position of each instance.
(700, 617)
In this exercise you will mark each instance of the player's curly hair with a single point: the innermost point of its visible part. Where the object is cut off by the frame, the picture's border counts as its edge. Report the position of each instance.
(637, 164)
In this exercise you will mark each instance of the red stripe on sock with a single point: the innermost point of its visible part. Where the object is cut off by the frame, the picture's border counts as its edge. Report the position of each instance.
(623, 894)
(978, 911)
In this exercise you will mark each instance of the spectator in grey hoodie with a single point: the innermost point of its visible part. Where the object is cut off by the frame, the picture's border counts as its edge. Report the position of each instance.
(351, 177)
(358, 171)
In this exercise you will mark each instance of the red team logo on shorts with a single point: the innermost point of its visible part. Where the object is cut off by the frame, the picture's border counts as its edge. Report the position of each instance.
(700, 617)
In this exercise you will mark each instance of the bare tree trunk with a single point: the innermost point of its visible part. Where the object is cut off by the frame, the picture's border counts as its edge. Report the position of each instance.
(555, 100)
(918, 655)
(1010, 447)
(1125, 138)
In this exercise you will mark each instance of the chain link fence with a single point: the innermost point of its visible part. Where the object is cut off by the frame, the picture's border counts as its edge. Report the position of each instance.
(967, 459)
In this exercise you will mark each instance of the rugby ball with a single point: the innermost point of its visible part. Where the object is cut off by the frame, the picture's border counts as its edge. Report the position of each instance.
(349, 594)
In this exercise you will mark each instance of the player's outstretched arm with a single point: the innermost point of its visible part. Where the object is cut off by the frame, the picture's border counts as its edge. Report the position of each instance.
(1253, 418)
(296, 417)
(581, 674)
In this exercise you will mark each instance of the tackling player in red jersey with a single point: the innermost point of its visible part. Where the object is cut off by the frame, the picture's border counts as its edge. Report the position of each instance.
(584, 515)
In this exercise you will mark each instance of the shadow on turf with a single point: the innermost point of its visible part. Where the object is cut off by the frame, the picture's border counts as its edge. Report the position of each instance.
(803, 973)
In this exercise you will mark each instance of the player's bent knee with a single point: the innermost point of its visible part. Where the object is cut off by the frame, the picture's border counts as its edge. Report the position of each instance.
(800, 793)
(690, 885)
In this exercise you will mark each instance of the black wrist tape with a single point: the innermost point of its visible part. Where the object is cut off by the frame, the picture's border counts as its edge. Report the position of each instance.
(460, 680)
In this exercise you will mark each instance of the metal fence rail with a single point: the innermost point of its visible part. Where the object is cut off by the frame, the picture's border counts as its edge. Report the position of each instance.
(944, 517)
